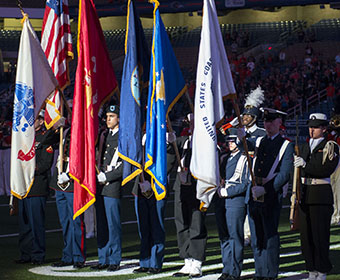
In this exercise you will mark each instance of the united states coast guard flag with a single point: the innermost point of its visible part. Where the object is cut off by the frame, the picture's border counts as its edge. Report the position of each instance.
(213, 82)
(133, 96)
(34, 82)
(165, 88)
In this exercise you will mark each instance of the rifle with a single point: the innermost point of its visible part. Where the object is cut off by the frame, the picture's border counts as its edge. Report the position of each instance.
(295, 198)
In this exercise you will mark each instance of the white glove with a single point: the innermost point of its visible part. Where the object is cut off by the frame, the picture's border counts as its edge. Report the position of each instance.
(241, 133)
(299, 162)
(257, 191)
(170, 137)
(145, 186)
(101, 177)
(185, 177)
(63, 178)
(222, 192)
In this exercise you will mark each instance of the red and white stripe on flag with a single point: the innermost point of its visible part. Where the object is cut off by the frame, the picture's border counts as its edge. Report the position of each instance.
(56, 41)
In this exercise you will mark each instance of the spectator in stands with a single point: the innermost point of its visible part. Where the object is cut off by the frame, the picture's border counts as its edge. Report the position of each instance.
(337, 58)
(234, 47)
(282, 56)
(309, 50)
(330, 95)
(251, 63)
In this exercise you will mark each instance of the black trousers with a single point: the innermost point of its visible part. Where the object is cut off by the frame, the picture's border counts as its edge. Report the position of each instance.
(315, 221)
(190, 224)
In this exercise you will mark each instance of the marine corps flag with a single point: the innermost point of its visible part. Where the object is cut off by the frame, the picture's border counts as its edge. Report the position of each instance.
(133, 96)
(34, 82)
(95, 82)
(166, 86)
(213, 82)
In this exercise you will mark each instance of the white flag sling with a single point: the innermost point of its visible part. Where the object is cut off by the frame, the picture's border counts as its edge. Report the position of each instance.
(34, 82)
(213, 82)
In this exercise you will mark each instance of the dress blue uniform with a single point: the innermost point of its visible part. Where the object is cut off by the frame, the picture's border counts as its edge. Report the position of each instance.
(108, 202)
(273, 164)
(237, 182)
(74, 250)
(150, 218)
(32, 208)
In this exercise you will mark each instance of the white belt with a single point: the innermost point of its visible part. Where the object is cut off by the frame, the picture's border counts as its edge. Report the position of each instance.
(315, 181)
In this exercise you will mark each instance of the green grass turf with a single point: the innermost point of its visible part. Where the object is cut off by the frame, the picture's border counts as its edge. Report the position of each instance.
(9, 250)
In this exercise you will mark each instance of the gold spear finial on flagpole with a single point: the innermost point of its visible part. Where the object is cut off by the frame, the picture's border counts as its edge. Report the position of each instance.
(24, 15)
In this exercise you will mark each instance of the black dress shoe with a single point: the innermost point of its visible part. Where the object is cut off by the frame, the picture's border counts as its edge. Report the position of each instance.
(78, 265)
(141, 270)
(37, 262)
(153, 270)
(180, 274)
(113, 267)
(61, 264)
(99, 266)
(21, 261)
(224, 276)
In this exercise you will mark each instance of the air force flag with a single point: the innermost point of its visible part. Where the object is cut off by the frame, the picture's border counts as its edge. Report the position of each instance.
(166, 86)
(34, 82)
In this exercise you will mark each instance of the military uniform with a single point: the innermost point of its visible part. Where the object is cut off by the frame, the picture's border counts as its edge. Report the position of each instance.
(74, 250)
(237, 183)
(150, 218)
(108, 200)
(189, 220)
(273, 164)
(316, 205)
(254, 131)
(32, 207)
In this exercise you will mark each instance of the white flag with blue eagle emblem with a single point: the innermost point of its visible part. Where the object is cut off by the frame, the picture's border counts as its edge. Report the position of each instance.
(213, 82)
(34, 83)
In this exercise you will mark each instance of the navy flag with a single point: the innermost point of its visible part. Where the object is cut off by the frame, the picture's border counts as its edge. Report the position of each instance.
(132, 100)
(166, 87)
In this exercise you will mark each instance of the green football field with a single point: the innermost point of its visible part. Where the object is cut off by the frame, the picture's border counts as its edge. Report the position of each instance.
(291, 267)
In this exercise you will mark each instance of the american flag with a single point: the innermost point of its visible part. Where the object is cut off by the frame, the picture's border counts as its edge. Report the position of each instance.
(56, 42)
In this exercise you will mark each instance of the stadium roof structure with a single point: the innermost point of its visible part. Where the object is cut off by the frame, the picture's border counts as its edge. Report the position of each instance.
(118, 7)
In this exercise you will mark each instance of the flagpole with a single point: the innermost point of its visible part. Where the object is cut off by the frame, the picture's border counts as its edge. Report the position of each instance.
(61, 135)
(174, 144)
(65, 102)
(190, 102)
(19, 3)
(245, 146)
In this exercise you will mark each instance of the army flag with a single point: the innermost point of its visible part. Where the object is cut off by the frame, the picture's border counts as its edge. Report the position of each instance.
(56, 41)
(133, 96)
(213, 82)
(34, 82)
(95, 82)
(166, 86)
